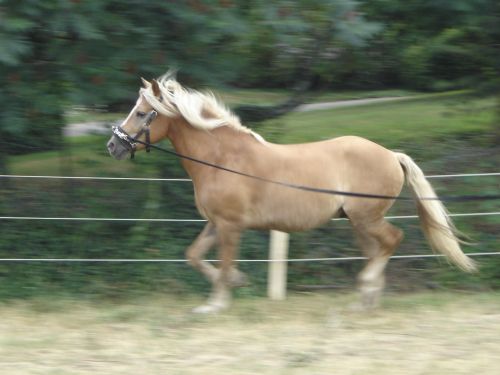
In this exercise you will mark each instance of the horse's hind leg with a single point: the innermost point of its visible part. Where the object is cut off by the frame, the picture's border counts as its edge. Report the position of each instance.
(378, 240)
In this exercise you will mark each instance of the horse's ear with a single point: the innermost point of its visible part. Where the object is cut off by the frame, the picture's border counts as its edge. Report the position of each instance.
(156, 88)
(145, 83)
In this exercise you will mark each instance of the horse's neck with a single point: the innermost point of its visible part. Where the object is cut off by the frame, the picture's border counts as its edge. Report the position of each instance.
(215, 146)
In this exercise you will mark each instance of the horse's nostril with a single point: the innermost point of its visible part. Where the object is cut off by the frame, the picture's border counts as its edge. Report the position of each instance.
(111, 146)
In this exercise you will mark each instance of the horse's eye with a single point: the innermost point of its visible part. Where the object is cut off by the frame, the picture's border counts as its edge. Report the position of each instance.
(141, 114)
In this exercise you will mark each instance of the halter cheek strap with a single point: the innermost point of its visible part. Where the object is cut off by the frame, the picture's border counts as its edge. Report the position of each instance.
(130, 142)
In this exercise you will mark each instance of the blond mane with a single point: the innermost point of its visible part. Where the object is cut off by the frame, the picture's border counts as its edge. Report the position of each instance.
(201, 110)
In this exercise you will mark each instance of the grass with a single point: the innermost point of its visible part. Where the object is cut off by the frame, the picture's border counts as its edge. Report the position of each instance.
(350, 95)
(271, 97)
(424, 118)
(425, 333)
(235, 97)
(84, 156)
(391, 123)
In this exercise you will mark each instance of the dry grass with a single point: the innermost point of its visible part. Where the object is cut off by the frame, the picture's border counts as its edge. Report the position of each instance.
(444, 333)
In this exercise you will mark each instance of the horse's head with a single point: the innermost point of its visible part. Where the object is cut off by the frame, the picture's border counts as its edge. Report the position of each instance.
(143, 125)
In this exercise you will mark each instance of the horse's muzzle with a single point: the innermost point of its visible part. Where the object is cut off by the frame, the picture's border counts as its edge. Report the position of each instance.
(117, 149)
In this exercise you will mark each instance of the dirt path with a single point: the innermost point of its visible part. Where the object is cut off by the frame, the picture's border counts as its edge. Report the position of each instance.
(347, 103)
(443, 333)
(85, 128)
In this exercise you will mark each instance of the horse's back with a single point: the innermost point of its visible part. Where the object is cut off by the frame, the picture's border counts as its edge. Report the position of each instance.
(350, 163)
(350, 156)
(347, 163)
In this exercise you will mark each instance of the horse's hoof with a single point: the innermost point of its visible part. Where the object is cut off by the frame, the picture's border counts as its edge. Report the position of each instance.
(203, 309)
(357, 307)
(365, 305)
(238, 279)
(361, 307)
(208, 309)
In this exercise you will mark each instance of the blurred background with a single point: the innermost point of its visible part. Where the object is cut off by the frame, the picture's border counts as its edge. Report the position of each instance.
(77, 65)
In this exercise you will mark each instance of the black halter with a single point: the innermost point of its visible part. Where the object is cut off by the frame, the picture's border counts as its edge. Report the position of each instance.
(130, 142)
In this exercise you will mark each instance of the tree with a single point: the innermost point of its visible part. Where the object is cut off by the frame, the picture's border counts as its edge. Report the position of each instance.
(436, 44)
(295, 44)
(56, 54)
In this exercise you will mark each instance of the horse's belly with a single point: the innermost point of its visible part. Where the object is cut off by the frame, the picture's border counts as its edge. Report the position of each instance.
(293, 216)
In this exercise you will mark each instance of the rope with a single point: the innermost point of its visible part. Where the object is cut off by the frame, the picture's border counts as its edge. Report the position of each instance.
(338, 259)
(187, 179)
(96, 219)
(463, 175)
(204, 220)
(449, 215)
(300, 187)
(98, 178)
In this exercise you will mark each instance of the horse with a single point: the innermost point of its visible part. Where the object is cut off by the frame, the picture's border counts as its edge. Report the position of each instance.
(200, 127)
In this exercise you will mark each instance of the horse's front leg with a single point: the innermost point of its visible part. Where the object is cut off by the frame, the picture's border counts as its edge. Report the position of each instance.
(228, 238)
(196, 252)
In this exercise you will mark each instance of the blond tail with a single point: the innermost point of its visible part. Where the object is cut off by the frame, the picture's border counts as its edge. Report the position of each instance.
(436, 224)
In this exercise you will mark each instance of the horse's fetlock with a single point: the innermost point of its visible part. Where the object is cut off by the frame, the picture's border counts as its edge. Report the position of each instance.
(191, 259)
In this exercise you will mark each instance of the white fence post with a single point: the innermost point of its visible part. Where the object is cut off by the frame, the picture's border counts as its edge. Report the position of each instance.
(278, 254)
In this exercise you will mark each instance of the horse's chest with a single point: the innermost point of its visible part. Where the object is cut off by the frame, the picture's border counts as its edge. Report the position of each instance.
(201, 204)
(217, 202)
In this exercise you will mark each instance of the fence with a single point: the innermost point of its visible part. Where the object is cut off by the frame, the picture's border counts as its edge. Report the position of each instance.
(278, 257)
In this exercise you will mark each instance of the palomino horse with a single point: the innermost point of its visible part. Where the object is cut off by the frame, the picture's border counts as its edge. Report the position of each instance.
(201, 128)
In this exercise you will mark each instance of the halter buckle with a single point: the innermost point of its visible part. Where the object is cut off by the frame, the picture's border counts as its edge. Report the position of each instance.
(117, 130)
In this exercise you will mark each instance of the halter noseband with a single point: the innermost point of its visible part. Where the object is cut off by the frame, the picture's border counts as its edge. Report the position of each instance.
(130, 141)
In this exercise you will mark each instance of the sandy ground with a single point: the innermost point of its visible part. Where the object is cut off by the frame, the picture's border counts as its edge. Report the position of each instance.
(445, 333)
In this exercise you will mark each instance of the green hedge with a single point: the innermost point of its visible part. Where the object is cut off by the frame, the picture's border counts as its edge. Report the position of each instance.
(147, 240)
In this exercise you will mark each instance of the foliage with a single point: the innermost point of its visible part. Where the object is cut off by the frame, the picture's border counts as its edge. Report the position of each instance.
(293, 41)
(394, 124)
(436, 44)
(55, 54)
